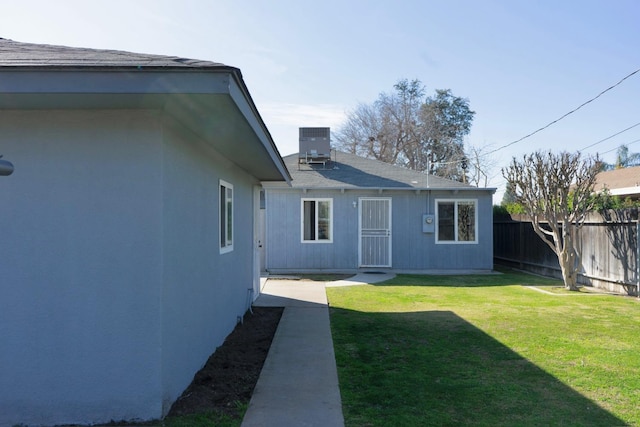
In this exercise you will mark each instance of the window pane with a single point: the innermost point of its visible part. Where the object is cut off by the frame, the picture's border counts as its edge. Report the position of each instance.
(324, 229)
(323, 210)
(226, 216)
(229, 216)
(223, 216)
(445, 221)
(309, 220)
(324, 223)
(466, 222)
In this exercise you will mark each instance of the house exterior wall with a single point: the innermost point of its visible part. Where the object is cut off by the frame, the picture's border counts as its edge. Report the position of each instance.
(411, 248)
(114, 290)
(80, 247)
(203, 290)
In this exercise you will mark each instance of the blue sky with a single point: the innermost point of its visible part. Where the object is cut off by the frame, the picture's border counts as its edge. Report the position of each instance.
(521, 64)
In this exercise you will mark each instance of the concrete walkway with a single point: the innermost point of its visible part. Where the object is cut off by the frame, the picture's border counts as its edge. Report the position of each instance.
(298, 385)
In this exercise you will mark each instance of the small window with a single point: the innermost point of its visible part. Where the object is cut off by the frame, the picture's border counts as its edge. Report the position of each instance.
(317, 220)
(457, 221)
(226, 217)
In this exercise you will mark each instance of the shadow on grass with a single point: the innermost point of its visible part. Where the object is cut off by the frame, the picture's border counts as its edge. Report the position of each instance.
(434, 368)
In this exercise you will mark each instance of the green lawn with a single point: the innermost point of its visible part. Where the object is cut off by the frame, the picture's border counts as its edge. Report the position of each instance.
(484, 350)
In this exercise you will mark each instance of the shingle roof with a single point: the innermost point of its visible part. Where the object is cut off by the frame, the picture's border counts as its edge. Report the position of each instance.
(626, 179)
(17, 54)
(350, 171)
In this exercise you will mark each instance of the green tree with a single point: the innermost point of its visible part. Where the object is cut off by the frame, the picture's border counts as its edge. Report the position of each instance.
(556, 192)
(625, 159)
(509, 195)
(408, 129)
(445, 121)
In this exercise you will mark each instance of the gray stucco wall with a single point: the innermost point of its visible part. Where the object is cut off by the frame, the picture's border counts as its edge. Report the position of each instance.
(203, 291)
(114, 292)
(79, 256)
(411, 248)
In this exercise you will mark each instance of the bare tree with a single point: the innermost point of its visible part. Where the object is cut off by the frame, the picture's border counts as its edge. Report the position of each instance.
(411, 130)
(384, 129)
(480, 166)
(556, 192)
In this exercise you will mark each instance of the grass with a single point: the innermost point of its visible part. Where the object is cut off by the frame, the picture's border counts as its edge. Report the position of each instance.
(485, 350)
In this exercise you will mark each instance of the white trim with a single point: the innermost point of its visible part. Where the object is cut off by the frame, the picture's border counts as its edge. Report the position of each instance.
(320, 199)
(626, 191)
(455, 222)
(228, 246)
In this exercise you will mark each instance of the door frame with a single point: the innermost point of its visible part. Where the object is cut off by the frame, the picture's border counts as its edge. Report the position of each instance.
(388, 230)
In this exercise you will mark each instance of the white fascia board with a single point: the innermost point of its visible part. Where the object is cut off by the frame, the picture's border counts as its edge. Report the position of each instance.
(275, 184)
(626, 191)
(492, 190)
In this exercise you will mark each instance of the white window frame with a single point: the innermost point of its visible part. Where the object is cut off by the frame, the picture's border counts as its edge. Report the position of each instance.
(226, 199)
(456, 202)
(313, 199)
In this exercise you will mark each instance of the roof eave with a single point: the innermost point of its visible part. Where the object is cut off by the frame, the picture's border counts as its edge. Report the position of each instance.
(419, 189)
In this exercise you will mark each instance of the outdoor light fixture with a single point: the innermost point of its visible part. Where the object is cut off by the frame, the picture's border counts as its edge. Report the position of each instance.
(6, 168)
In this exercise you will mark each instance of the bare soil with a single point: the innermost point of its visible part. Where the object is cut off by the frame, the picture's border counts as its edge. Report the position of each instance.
(227, 380)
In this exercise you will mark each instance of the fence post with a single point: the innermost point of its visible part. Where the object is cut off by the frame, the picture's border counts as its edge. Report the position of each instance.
(521, 244)
(638, 258)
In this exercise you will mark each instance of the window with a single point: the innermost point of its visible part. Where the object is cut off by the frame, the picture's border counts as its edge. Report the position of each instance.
(316, 220)
(457, 221)
(226, 217)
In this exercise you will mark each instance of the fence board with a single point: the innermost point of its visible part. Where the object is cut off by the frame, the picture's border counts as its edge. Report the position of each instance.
(608, 246)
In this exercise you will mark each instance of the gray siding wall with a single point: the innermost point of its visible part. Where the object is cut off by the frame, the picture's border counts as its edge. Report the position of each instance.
(411, 248)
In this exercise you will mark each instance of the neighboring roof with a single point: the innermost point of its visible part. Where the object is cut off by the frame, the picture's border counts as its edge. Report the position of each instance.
(16, 54)
(209, 98)
(350, 171)
(621, 182)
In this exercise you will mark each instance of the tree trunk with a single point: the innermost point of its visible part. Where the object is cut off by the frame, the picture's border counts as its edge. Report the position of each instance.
(569, 271)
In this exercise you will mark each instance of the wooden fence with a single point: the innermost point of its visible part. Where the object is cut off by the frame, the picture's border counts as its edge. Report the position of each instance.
(608, 245)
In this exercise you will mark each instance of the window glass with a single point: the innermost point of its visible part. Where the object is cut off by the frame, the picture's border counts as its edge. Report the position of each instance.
(226, 217)
(316, 220)
(456, 221)
(324, 221)
(309, 220)
(446, 229)
(466, 221)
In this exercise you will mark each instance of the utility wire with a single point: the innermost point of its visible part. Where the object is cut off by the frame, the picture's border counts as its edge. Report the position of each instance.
(615, 148)
(609, 137)
(566, 114)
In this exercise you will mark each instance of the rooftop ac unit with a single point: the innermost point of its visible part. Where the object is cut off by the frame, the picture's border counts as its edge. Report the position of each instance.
(315, 145)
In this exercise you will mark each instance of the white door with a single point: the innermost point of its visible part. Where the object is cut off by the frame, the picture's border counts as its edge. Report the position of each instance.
(375, 232)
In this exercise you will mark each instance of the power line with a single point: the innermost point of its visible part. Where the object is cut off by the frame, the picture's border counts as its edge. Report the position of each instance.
(566, 114)
(615, 148)
(609, 137)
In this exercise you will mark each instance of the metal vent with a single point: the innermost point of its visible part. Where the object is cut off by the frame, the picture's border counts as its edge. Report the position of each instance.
(313, 133)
